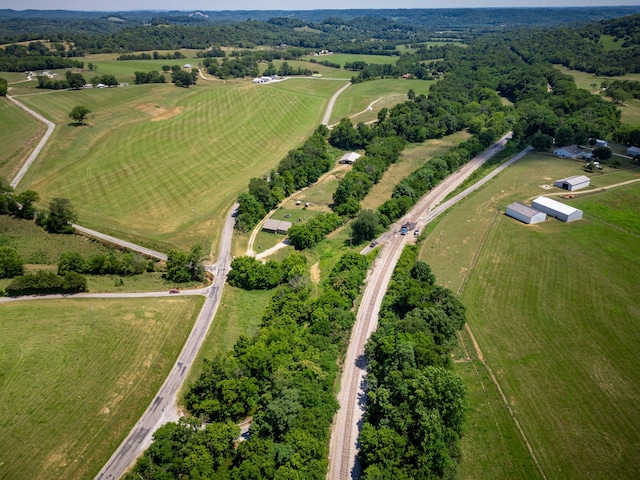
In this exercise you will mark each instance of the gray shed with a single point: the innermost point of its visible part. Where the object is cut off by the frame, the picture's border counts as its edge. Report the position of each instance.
(276, 226)
(573, 183)
(556, 209)
(633, 151)
(525, 214)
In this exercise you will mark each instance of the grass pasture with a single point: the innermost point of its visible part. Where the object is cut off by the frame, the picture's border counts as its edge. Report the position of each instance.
(19, 134)
(164, 163)
(554, 309)
(385, 93)
(76, 374)
(343, 58)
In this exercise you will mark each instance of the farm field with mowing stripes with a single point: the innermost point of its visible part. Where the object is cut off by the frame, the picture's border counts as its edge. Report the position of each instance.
(342, 58)
(166, 163)
(554, 309)
(19, 134)
(389, 92)
(76, 374)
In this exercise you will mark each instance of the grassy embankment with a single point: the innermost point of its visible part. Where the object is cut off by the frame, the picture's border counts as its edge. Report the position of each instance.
(164, 164)
(554, 309)
(19, 134)
(75, 375)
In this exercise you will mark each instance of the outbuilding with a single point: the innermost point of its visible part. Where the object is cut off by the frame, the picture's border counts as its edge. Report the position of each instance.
(570, 151)
(559, 210)
(633, 151)
(349, 158)
(276, 226)
(525, 213)
(573, 183)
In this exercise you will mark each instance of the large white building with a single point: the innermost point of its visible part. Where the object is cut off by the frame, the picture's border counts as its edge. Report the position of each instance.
(573, 183)
(556, 209)
(525, 214)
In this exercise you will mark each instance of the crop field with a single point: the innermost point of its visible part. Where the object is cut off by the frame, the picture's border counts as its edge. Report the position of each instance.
(385, 93)
(19, 134)
(164, 163)
(76, 374)
(554, 309)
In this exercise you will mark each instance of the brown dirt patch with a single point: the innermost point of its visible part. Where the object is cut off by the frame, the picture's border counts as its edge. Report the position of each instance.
(315, 273)
(158, 112)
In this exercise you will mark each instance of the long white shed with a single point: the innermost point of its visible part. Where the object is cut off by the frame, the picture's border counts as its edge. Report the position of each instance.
(556, 209)
(573, 183)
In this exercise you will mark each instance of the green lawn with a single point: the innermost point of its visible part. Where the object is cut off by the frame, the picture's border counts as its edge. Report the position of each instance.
(75, 375)
(342, 58)
(162, 163)
(19, 134)
(385, 93)
(554, 309)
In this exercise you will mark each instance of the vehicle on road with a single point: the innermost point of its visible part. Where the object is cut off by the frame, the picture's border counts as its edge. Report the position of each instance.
(403, 231)
(174, 290)
(373, 244)
(416, 232)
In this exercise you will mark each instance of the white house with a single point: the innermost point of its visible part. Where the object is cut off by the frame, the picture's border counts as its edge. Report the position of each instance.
(349, 158)
(573, 183)
(633, 151)
(571, 151)
(556, 209)
(525, 214)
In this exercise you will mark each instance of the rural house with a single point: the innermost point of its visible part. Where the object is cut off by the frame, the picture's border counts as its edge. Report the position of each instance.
(571, 151)
(633, 151)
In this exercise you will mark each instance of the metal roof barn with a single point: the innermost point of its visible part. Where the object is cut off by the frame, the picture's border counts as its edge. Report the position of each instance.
(557, 209)
(276, 226)
(573, 183)
(525, 214)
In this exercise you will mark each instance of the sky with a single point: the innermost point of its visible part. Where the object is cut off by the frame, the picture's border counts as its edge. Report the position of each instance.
(213, 5)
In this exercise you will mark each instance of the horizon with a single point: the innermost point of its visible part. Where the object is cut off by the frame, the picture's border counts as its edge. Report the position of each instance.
(304, 5)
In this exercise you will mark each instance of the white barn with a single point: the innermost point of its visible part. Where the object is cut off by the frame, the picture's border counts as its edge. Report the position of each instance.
(556, 209)
(349, 158)
(525, 214)
(573, 183)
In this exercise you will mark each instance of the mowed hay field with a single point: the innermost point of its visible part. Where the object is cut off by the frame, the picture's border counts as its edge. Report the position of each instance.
(554, 309)
(165, 163)
(75, 375)
(19, 134)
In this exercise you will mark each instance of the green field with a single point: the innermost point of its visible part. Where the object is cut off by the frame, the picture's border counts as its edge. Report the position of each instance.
(385, 93)
(554, 309)
(75, 376)
(342, 58)
(161, 163)
(19, 134)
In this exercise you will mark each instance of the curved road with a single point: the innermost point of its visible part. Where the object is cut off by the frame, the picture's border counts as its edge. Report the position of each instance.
(41, 143)
(163, 407)
(343, 447)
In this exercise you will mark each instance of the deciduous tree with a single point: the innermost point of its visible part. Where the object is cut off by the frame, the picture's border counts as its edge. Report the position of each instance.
(79, 114)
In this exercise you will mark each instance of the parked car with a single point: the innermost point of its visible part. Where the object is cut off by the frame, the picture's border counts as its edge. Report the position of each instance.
(403, 231)
(416, 232)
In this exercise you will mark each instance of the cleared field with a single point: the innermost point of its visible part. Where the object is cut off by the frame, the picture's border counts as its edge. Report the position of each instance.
(385, 92)
(554, 309)
(75, 375)
(19, 134)
(327, 72)
(342, 58)
(413, 157)
(165, 163)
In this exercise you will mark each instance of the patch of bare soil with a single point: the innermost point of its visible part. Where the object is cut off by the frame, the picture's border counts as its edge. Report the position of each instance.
(157, 112)
(315, 273)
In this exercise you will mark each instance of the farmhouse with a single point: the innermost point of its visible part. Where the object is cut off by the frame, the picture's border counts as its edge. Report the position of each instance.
(633, 151)
(573, 183)
(557, 209)
(525, 214)
(349, 158)
(571, 151)
(276, 226)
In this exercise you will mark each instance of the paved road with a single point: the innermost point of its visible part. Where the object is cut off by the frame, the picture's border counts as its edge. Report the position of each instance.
(343, 447)
(41, 143)
(163, 407)
(119, 242)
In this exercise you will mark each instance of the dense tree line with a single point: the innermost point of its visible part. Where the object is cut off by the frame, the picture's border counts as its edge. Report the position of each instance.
(300, 168)
(45, 282)
(150, 56)
(251, 274)
(113, 263)
(415, 403)
(185, 266)
(283, 376)
(148, 77)
(313, 231)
